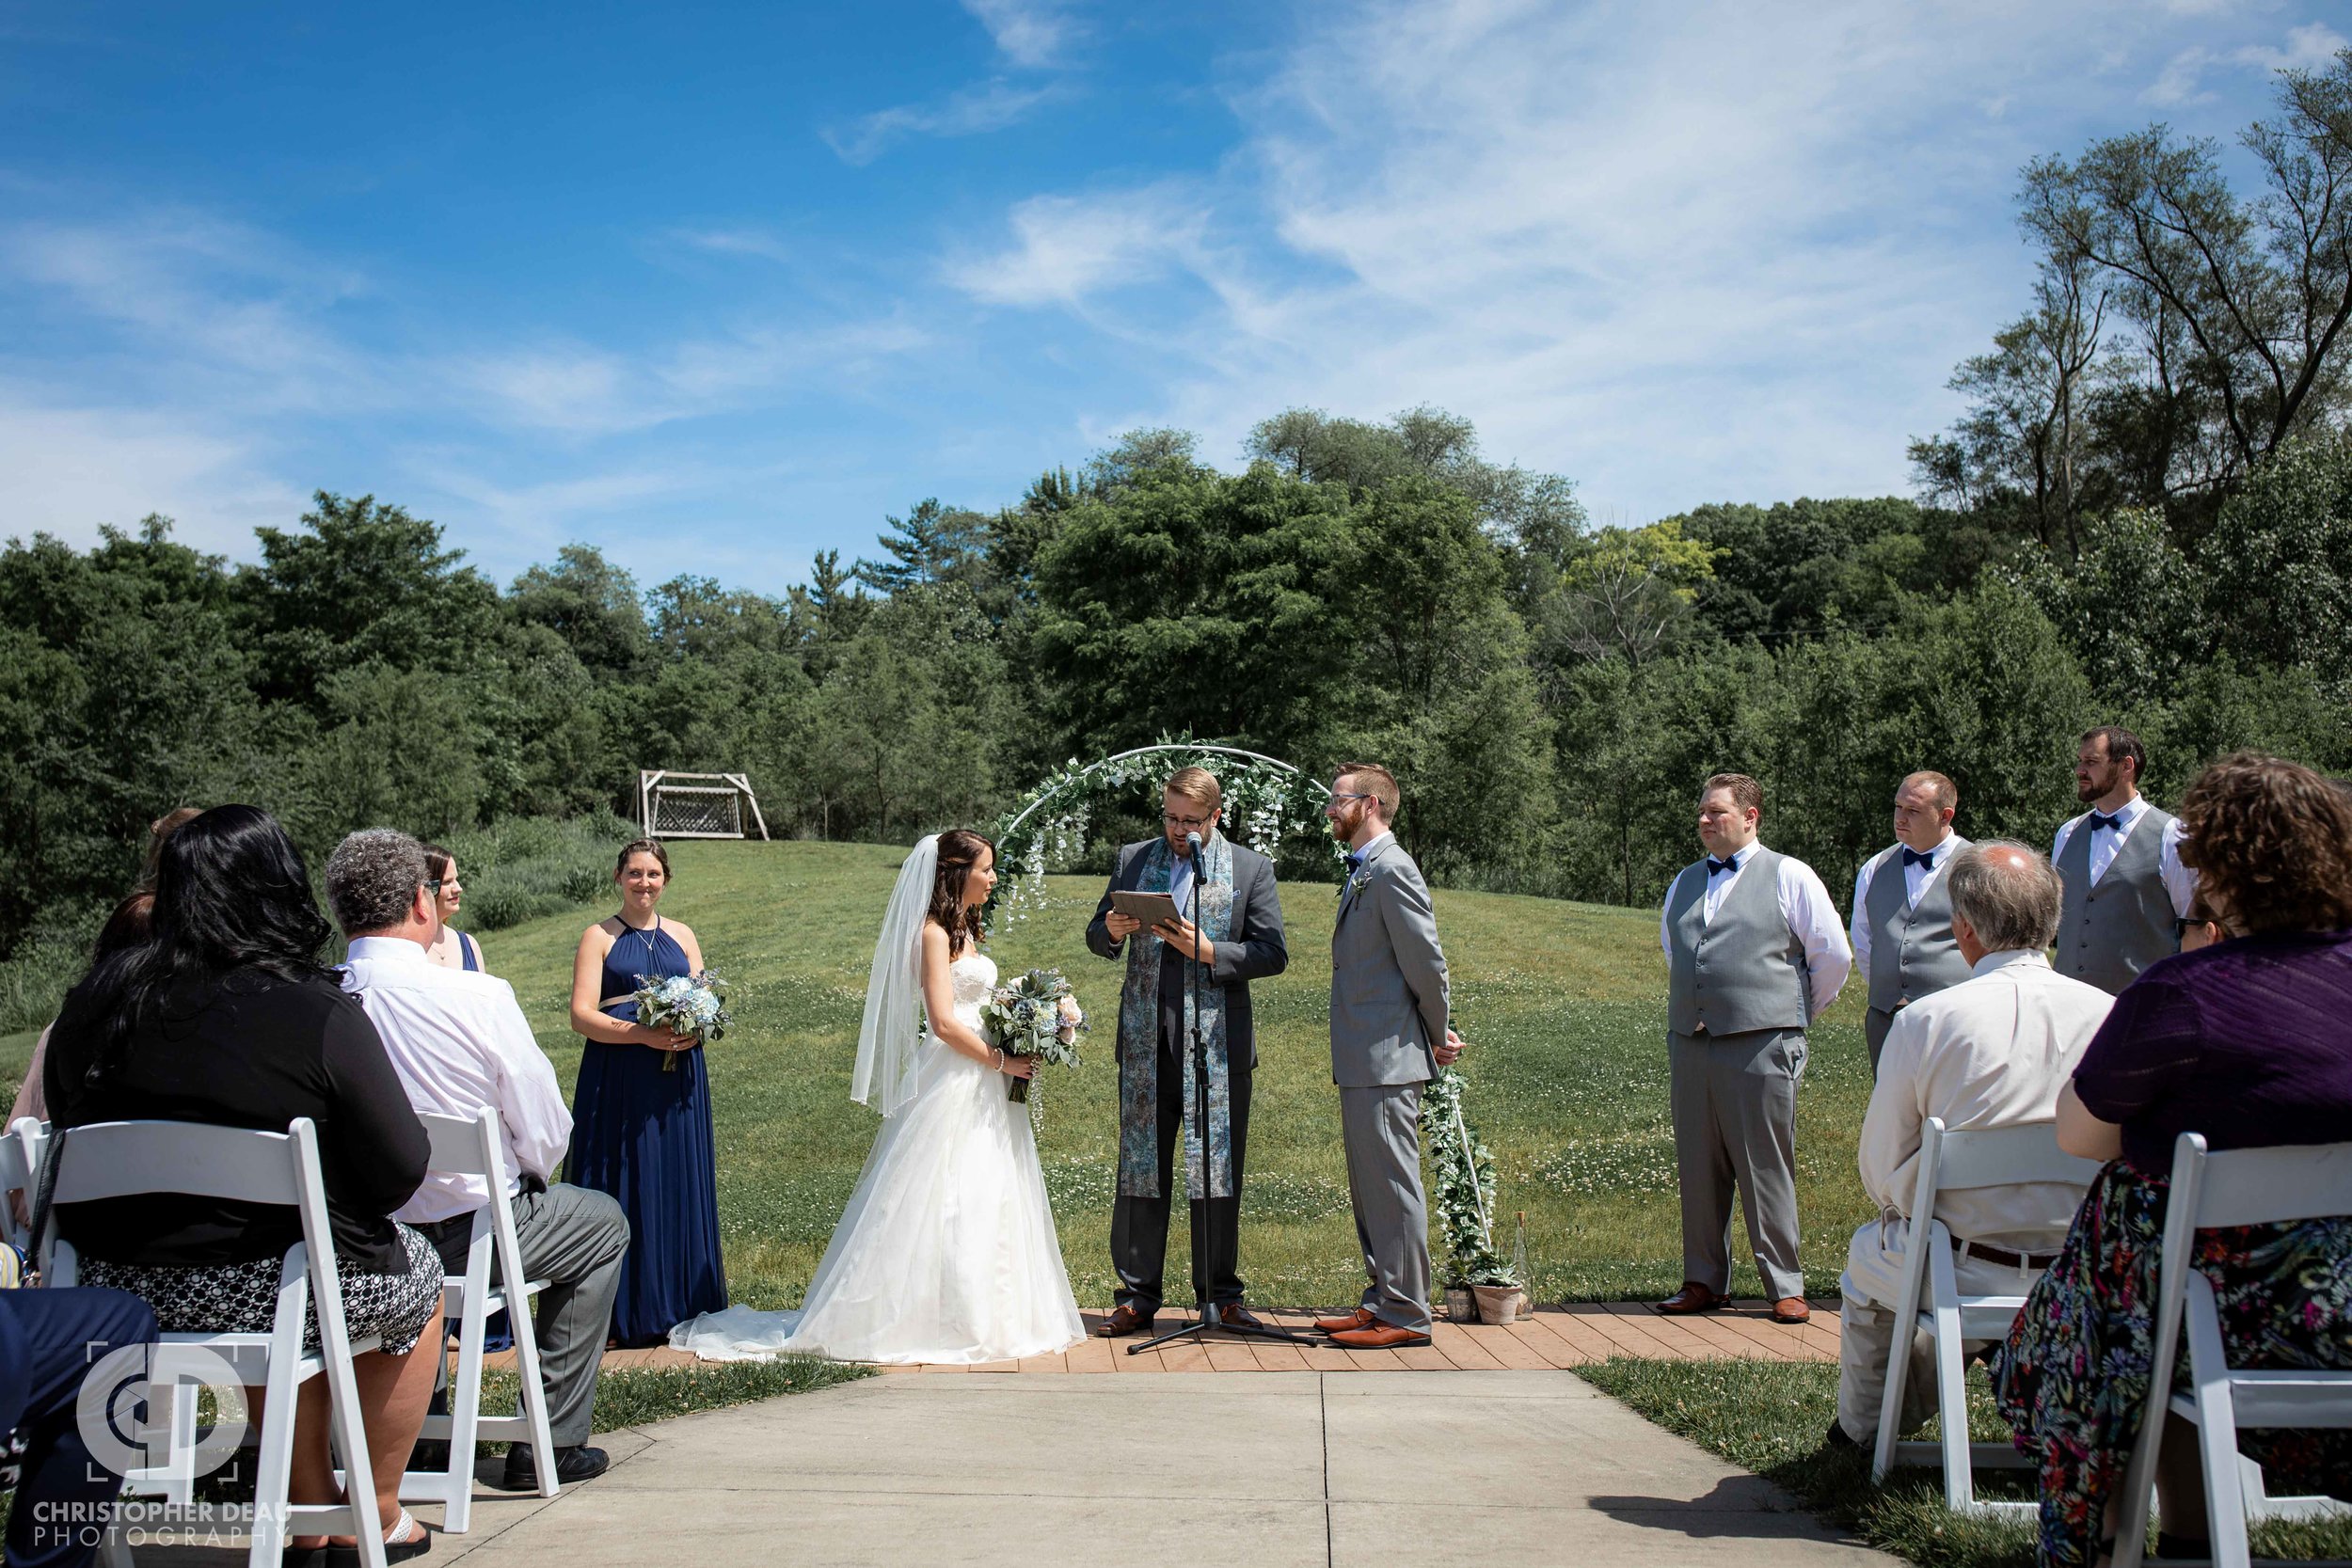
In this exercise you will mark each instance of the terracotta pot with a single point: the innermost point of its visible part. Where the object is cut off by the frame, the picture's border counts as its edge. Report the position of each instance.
(1460, 1305)
(1497, 1303)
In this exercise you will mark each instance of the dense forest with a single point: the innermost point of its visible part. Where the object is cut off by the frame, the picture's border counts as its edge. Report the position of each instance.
(2145, 517)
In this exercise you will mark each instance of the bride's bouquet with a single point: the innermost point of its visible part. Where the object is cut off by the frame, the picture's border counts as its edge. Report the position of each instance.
(691, 1007)
(1035, 1016)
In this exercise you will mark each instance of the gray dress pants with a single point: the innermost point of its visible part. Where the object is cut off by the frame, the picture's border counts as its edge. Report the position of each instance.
(1381, 1129)
(574, 1238)
(1735, 1119)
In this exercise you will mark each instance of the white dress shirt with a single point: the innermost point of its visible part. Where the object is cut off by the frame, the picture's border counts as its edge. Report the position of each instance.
(1991, 1052)
(1180, 883)
(1812, 916)
(1917, 880)
(2179, 880)
(459, 1042)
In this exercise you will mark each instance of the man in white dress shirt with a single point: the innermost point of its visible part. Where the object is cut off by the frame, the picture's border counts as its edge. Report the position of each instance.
(2126, 890)
(1991, 1052)
(1902, 910)
(1755, 952)
(459, 1042)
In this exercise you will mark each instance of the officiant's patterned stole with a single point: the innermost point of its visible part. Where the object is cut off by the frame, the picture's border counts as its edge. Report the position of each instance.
(1140, 1040)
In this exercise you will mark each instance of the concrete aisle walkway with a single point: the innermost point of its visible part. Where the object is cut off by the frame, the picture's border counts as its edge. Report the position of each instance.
(1303, 1471)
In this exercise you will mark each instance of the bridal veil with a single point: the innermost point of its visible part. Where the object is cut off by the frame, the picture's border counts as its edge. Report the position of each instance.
(886, 1044)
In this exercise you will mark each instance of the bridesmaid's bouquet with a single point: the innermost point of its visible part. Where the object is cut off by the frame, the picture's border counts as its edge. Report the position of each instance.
(1034, 1016)
(691, 1007)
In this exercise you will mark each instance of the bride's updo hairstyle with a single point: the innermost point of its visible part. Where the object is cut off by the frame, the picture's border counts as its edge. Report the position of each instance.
(960, 851)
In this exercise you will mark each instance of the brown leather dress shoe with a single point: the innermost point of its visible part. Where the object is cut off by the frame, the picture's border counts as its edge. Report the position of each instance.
(1378, 1335)
(1360, 1318)
(1790, 1309)
(1234, 1315)
(1693, 1297)
(1122, 1322)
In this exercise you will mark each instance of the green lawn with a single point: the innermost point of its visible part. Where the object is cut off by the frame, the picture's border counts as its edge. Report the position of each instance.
(1770, 1417)
(1561, 1004)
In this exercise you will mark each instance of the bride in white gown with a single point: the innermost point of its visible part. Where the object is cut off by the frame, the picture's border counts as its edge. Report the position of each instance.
(946, 1252)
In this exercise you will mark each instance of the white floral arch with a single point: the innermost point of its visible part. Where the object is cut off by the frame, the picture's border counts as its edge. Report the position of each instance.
(1266, 800)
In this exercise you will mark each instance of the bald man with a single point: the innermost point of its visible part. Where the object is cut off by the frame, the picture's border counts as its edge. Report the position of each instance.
(1901, 930)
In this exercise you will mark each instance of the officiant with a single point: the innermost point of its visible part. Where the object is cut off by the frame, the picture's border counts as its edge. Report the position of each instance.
(1238, 940)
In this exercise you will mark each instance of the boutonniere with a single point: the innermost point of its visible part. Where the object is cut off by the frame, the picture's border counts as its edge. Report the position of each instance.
(1353, 884)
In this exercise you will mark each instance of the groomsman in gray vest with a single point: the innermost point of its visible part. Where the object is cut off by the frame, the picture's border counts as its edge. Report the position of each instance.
(1755, 953)
(2126, 891)
(1389, 1036)
(1903, 908)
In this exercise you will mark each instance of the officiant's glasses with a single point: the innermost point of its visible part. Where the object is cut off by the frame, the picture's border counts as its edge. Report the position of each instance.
(1189, 824)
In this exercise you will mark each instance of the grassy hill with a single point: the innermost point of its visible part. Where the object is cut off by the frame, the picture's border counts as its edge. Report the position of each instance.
(1563, 1006)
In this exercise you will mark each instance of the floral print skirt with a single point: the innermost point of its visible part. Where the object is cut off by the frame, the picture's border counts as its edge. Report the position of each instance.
(2073, 1378)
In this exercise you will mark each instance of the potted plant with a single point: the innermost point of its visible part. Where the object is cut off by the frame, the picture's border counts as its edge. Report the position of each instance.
(1496, 1289)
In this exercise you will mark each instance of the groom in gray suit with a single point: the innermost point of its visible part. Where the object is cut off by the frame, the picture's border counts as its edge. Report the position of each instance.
(1389, 1036)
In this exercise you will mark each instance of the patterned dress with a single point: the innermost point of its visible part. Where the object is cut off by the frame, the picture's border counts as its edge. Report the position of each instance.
(2073, 1378)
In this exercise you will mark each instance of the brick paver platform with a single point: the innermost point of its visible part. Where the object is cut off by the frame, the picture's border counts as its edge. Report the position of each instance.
(1556, 1337)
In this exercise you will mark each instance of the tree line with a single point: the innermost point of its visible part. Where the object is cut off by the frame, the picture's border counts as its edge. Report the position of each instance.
(1550, 693)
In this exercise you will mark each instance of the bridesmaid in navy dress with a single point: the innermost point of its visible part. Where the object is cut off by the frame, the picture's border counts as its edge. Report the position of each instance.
(450, 947)
(641, 1133)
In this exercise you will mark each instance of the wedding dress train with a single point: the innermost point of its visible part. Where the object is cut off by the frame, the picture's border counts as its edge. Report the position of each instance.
(947, 1251)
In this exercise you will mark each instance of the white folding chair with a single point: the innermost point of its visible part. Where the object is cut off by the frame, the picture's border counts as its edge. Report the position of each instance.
(129, 1159)
(476, 1146)
(21, 1148)
(2241, 1186)
(1930, 1298)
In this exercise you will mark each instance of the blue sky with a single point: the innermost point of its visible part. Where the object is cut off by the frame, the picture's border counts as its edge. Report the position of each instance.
(717, 287)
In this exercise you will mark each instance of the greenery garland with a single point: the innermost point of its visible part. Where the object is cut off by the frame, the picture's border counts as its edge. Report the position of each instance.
(1463, 1190)
(1265, 802)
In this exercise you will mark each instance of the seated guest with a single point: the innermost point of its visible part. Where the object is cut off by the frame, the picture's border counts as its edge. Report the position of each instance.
(1991, 1052)
(2199, 928)
(49, 1341)
(460, 1042)
(450, 947)
(2244, 1042)
(227, 1016)
(127, 924)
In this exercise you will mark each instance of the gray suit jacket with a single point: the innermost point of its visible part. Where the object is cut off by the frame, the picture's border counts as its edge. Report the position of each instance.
(1252, 948)
(1388, 974)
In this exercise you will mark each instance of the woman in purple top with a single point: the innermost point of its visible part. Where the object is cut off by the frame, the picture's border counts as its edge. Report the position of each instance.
(2247, 1042)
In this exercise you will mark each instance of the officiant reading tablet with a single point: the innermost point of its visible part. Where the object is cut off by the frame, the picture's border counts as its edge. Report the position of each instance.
(1239, 940)
(1148, 909)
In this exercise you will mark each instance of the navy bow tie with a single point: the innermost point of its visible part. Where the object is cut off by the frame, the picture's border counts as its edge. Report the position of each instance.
(2101, 819)
(1716, 868)
(1918, 856)
(1354, 862)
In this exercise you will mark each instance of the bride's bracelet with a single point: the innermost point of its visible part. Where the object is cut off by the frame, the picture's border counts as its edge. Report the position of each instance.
(999, 1064)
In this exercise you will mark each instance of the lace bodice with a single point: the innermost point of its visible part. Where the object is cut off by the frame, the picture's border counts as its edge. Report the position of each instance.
(973, 977)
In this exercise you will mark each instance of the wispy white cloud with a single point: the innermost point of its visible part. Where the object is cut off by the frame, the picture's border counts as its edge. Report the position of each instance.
(1028, 32)
(1065, 248)
(732, 242)
(990, 105)
(72, 468)
(231, 301)
(2309, 47)
(1588, 226)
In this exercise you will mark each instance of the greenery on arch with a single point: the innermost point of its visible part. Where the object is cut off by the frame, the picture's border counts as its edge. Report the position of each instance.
(1266, 801)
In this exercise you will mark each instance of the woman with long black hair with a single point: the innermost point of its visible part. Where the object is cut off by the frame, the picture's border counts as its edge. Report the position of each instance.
(226, 1015)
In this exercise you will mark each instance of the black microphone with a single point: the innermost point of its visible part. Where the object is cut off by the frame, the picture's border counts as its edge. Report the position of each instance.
(1192, 841)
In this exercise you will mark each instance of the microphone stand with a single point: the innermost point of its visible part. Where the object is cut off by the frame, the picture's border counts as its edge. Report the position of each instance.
(1204, 1228)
